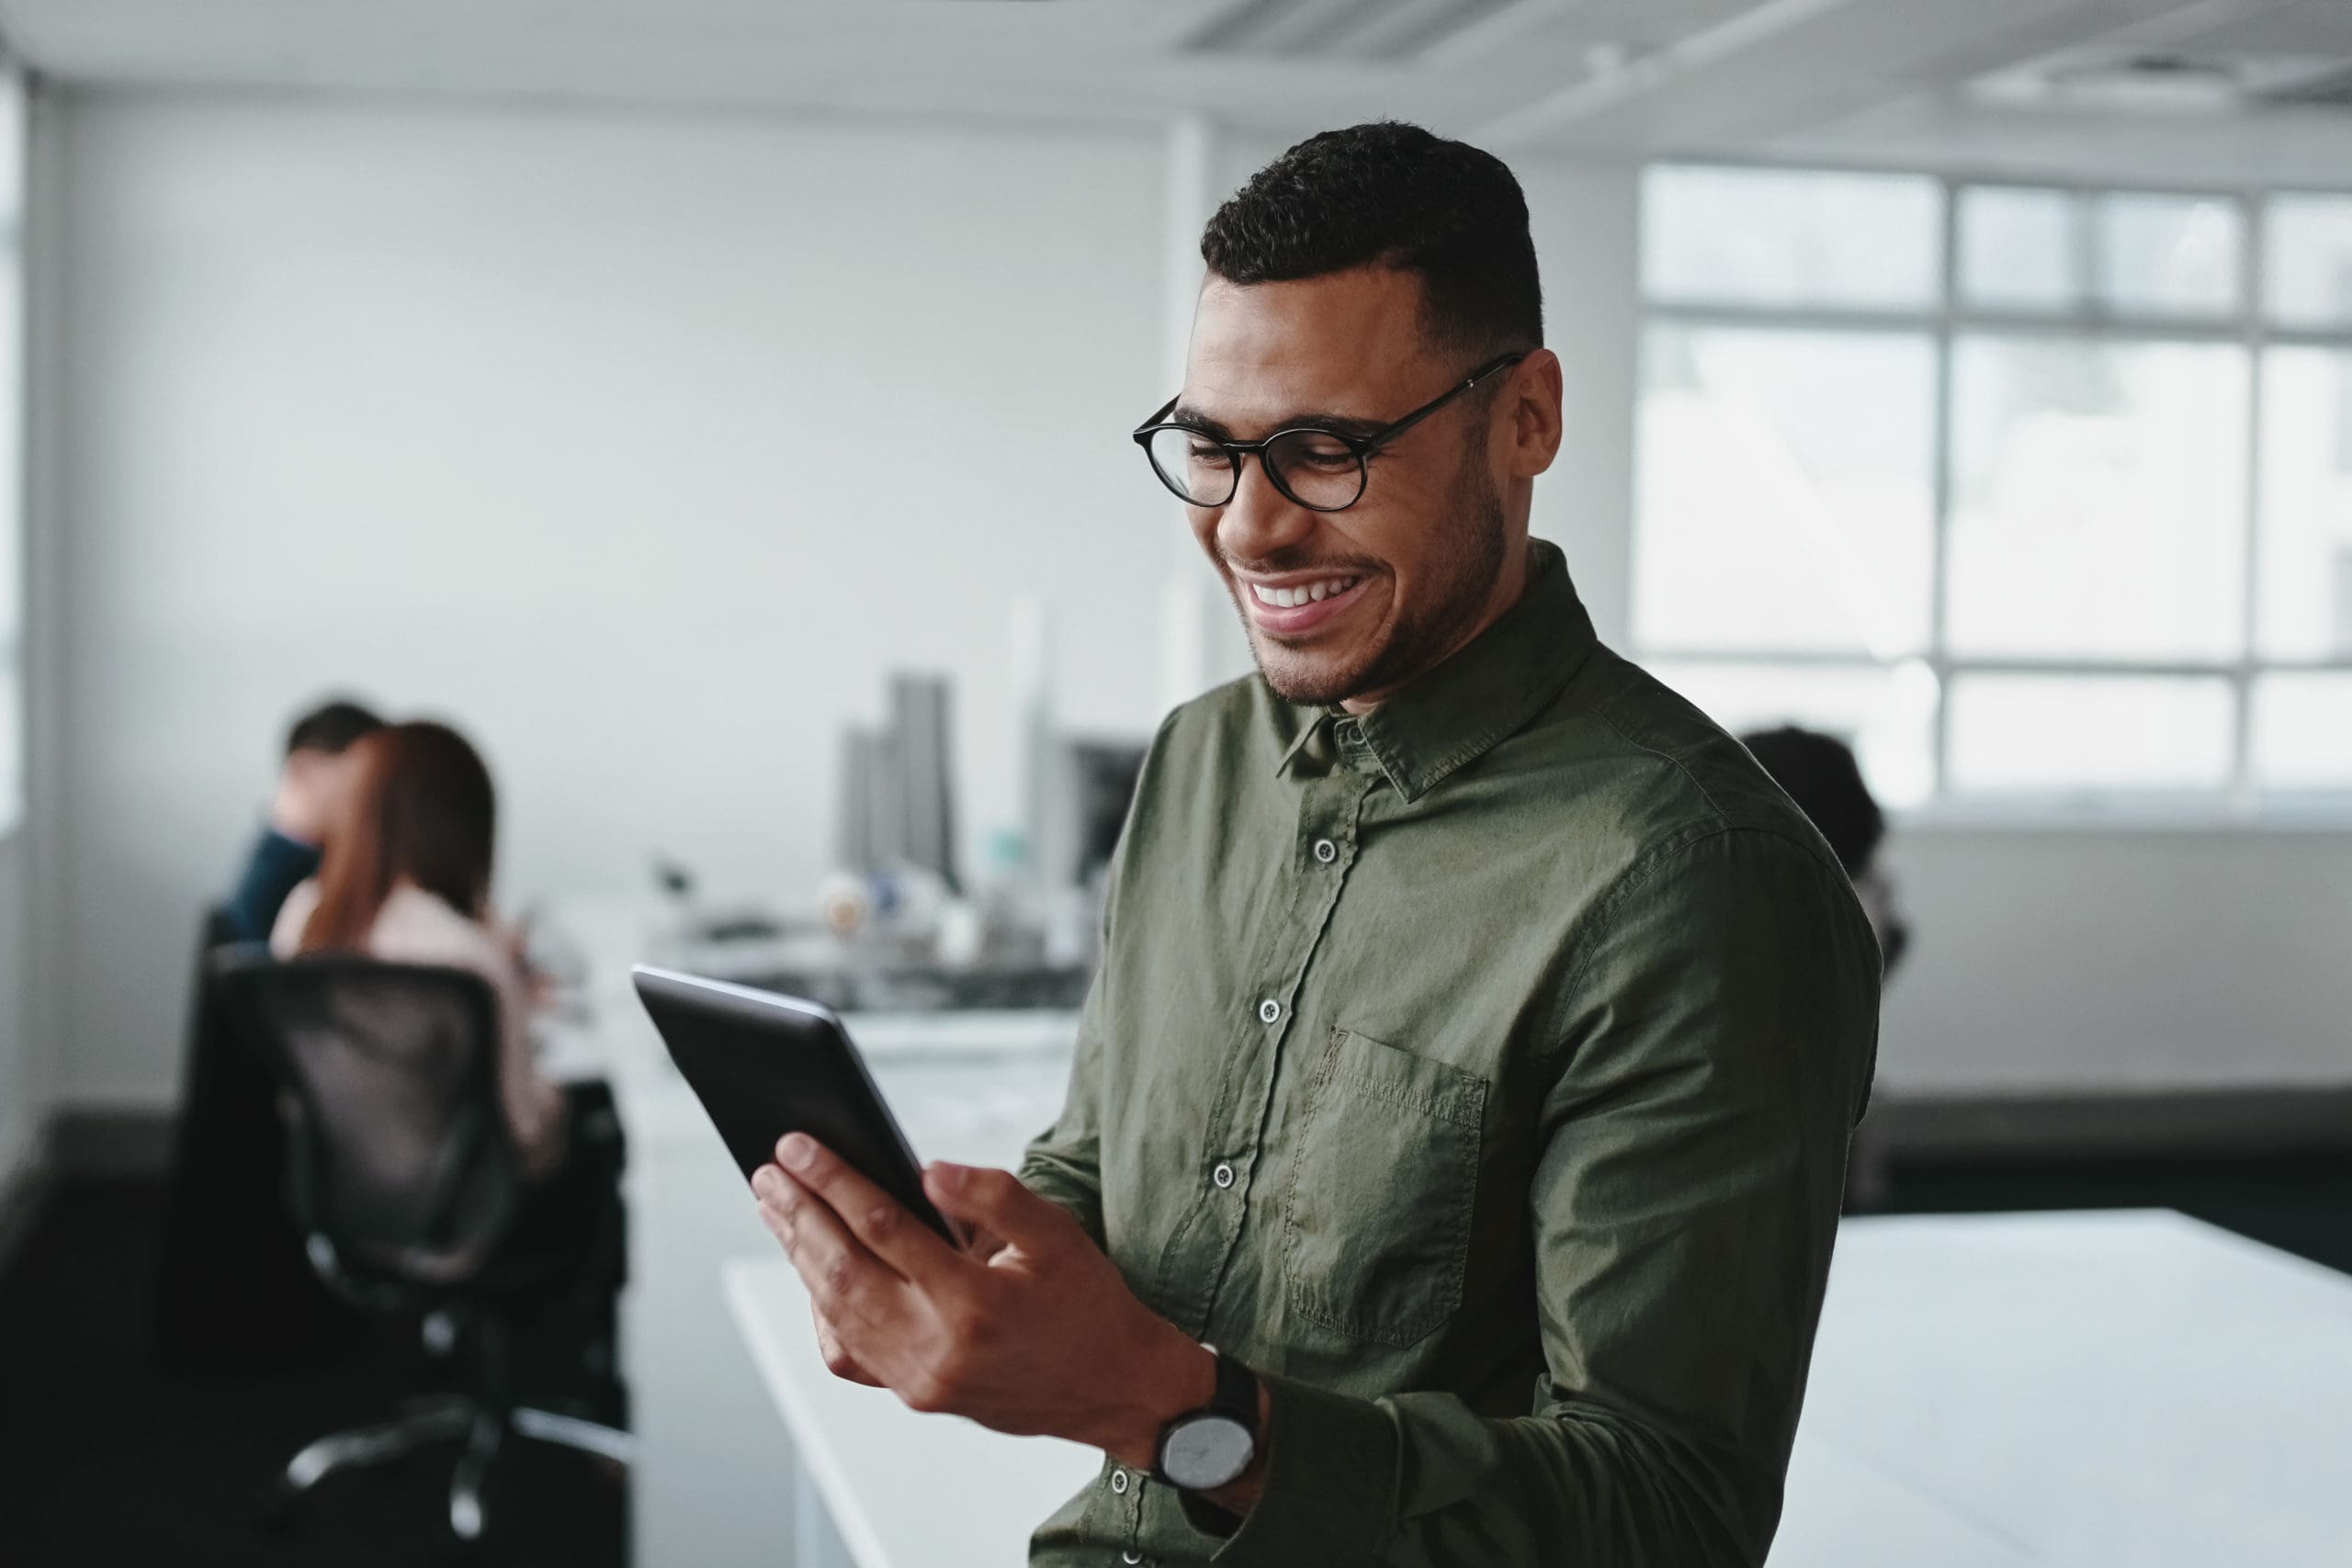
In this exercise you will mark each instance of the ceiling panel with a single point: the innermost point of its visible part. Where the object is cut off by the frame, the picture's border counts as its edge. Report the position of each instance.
(1583, 77)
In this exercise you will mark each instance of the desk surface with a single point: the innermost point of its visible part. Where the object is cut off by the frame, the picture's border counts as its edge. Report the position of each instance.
(1988, 1392)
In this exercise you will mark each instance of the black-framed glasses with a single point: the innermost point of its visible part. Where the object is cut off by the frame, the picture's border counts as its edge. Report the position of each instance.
(1323, 470)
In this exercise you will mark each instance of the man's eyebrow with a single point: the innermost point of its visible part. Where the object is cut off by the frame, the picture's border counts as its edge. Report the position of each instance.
(1338, 424)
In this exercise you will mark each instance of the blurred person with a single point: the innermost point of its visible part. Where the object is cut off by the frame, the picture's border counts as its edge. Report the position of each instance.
(1820, 773)
(1479, 1034)
(311, 784)
(404, 875)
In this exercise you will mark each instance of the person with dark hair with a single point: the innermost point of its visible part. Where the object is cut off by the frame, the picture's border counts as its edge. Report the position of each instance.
(1479, 1032)
(312, 783)
(1822, 776)
(404, 875)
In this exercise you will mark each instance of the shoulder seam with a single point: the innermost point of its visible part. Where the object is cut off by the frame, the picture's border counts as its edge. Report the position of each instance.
(1605, 711)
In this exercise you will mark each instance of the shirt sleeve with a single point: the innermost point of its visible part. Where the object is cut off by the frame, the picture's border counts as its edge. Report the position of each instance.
(276, 866)
(1717, 1043)
(1064, 1163)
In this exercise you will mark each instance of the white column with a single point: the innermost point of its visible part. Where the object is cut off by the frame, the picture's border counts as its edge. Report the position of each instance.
(1200, 641)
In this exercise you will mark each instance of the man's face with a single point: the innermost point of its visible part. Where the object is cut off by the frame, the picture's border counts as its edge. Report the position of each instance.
(313, 789)
(1426, 557)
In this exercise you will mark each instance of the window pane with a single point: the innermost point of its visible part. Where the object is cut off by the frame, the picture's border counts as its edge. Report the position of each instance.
(1888, 714)
(2306, 570)
(2017, 249)
(1785, 491)
(2098, 498)
(2308, 261)
(2090, 732)
(12, 423)
(2302, 732)
(2169, 255)
(1772, 237)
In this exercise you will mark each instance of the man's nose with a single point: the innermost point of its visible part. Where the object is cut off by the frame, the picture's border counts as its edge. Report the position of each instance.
(1260, 520)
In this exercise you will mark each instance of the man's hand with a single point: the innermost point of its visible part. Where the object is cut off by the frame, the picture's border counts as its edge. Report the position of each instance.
(1031, 1330)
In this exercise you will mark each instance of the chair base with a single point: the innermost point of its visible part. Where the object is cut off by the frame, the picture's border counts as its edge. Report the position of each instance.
(481, 1427)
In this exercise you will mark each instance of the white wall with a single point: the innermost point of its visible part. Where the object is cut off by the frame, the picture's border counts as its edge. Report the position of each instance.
(2103, 957)
(642, 447)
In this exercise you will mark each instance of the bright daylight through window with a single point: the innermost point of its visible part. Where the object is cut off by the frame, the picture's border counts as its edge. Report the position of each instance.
(2031, 494)
(12, 422)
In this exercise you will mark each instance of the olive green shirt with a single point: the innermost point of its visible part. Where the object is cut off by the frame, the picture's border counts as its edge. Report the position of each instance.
(1479, 1070)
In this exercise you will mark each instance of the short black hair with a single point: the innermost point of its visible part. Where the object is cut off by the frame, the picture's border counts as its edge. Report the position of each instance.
(331, 727)
(1819, 772)
(1389, 194)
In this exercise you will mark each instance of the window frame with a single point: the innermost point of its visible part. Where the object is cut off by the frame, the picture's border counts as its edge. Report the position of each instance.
(2247, 327)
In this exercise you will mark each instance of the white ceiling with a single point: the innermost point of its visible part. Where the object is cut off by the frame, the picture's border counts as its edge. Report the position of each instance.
(1851, 81)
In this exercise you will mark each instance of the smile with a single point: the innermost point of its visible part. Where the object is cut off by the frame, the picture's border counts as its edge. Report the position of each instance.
(1298, 603)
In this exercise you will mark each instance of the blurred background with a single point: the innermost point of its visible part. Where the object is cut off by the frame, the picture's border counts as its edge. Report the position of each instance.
(717, 409)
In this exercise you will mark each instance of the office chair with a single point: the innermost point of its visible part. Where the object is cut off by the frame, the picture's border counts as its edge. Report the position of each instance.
(232, 1290)
(406, 1184)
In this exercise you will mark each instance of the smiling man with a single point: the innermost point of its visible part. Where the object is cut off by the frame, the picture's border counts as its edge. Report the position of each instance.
(1479, 1030)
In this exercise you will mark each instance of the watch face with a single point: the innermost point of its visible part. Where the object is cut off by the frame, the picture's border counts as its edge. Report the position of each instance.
(1206, 1453)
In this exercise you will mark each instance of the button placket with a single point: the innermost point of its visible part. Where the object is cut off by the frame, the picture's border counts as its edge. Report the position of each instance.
(1196, 1253)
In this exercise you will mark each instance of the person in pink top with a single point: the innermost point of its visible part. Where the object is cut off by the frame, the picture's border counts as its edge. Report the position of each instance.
(404, 875)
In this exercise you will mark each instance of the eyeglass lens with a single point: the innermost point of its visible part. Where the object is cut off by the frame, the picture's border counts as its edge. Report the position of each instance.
(1313, 469)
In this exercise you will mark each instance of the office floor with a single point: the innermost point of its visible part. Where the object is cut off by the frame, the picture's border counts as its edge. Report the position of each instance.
(104, 1460)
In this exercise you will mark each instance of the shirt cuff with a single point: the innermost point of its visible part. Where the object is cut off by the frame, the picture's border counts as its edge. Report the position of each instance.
(1330, 1493)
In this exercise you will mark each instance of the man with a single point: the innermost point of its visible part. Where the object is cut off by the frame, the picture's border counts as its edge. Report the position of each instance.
(1479, 1032)
(312, 786)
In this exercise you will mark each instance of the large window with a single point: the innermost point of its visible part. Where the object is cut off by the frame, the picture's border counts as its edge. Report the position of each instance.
(2032, 493)
(12, 429)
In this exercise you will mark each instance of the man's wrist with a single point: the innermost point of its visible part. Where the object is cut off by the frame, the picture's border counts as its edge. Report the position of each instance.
(1179, 1376)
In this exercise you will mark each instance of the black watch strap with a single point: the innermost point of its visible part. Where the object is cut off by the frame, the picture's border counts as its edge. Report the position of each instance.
(1237, 1390)
(1234, 1400)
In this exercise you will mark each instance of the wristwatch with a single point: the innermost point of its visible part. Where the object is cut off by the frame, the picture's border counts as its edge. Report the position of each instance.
(1206, 1449)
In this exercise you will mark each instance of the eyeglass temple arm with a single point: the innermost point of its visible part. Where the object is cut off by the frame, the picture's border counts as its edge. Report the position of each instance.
(1147, 427)
(1379, 438)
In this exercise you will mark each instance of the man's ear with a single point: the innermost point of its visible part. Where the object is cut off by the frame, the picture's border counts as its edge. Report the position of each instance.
(1534, 416)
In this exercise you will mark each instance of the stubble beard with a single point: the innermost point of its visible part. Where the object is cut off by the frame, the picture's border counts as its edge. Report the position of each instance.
(1419, 640)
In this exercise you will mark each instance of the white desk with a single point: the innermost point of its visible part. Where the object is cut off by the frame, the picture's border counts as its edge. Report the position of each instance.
(2076, 1391)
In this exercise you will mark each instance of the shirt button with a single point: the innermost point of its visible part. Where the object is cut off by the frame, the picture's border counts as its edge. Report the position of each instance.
(1222, 1174)
(1270, 1012)
(1326, 850)
(1119, 1481)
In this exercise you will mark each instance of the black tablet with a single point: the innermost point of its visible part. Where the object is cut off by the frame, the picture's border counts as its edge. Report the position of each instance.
(764, 1065)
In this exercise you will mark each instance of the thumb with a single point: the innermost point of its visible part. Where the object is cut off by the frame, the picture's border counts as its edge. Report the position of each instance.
(996, 1202)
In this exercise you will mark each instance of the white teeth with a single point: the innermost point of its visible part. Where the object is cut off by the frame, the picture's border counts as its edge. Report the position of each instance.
(1310, 594)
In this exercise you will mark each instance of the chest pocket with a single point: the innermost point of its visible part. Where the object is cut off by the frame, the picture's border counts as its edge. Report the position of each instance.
(1376, 1222)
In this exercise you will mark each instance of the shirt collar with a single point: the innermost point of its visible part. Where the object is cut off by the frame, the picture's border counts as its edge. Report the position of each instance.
(1459, 711)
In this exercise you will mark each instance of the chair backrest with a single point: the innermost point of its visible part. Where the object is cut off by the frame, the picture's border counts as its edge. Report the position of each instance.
(399, 1161)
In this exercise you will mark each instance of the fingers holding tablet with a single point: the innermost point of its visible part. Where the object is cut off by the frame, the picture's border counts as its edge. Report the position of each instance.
(879, 1222)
